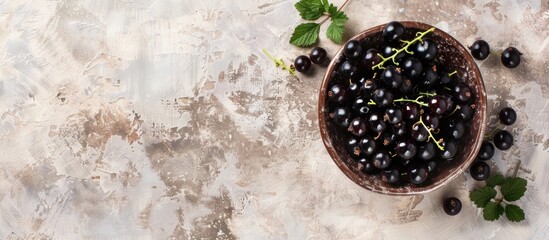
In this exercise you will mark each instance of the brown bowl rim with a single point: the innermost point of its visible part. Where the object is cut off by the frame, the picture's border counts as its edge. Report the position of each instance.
(413, 190)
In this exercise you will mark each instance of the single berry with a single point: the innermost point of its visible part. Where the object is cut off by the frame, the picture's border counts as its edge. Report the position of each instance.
(338, 94)
(358, 127)
(419, 133)
(400, 129)
(318, 55)
(429, 79)
(507, 116)
(411, 111)
(450, 149)
(393, 115)
(376, 122)
(426, 151)
(391, 176)
(393, 31)
(341, 116)
(480, 49)
(367, 145)
(361, 107)
(352, 147)
(406, 149)
(381, 160)
(412, 67)
(418, 173)
(425, 50)
(347, 69)
(503, 140)
(302, 63)
(437, 104)
(466, 112)
(383, 97)
(371, 58)
(432, 120)
(452, 206)
(456, 128)
(366, 166)
(352, 49)
(479, 170)
(486, 151)
(462, 92)
(510, 57)
(391, 77)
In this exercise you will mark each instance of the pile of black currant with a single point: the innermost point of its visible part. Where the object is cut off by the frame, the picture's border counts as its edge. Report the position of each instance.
(401, 110)
(503, 140)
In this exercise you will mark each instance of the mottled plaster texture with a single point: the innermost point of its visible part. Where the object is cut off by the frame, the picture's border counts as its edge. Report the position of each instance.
(140, 119)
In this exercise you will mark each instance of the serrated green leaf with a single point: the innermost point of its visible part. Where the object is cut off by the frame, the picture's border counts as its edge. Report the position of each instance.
(481, 196)
(310, 9)
(325, 4)
(492, 181)
(332, 10)
(337, 27)
(492, 211)
(514, 213)
(513, 188)
(305, 34)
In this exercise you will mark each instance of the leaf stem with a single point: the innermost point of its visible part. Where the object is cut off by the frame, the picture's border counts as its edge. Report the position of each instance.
(419, 35)
(330, 16)
(427, 94)
(411, 100)
(516, 169)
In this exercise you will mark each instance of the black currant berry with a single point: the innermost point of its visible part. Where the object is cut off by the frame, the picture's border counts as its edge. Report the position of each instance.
(383, 97)
(480, 49)
(479, 170)
(371, 58)
(302, 63)
(425, 50)
(338, 94)
(381, 160)
(503, 140)
(341, 116)
(452, 206)
(412, 67)
(352, 49)
(391, 77)
(358, 127)
(486, 151)
(347, 69)
(510, 57)
(507, 116)
(418, 173)
(318, 55)
(393, 31)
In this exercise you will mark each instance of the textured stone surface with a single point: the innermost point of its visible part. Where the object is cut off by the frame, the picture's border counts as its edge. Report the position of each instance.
(141, 119)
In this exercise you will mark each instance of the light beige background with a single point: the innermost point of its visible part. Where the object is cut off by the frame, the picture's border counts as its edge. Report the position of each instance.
(162, 119)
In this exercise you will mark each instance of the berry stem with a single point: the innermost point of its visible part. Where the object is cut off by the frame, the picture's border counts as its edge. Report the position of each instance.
(411, 100)
(430, 134)
(419, 36)
(280, 63)
(427, 94)
(371, 102)
(452, 73)
(490, 135)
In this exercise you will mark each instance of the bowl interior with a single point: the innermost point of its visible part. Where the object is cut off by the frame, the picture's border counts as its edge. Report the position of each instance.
(451, 54)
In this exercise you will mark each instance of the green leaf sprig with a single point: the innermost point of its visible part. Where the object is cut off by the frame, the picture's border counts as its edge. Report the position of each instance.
(306, 34)
(511, 188)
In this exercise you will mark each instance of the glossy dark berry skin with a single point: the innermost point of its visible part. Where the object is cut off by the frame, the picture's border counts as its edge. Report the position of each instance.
(348, 69)
(393, 115)
(406, 149)
(418, 173)
(376, 122)
(381, 160)
(412, 67)
(369, 88)
(427, 151)
(432, 120)
(367, 145)
(510, 57)
(391, 77)
(370, 58)
(479, 170)
(429, 80)
(462, 92)
(338, 94)
(507, 116)
(503, 140)
(419, 133)
(341, 116)
(466, 112)
(358, 127)
(451, 206)
(393, 32)
(486, 151)
(456, 128)
(318, 55)
(480, 49)
(366, 166)
(361, 107)
(426, 50)
(411, 111)
(352, 49)
(437, 105)
(391, 176)
(383, 97)
(352, 147)
(302, 64)
(450, 149)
